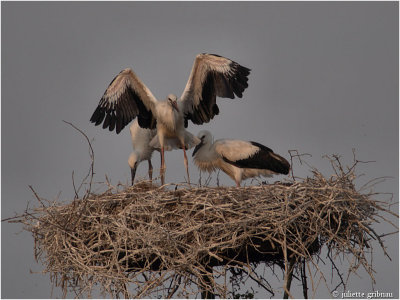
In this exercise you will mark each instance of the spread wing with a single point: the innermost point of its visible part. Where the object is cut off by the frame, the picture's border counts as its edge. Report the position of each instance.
(212, 76)
(125, 99)
(251, 155)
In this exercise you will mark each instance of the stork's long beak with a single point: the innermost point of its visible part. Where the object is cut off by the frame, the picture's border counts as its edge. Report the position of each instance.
(133, 173)
(198, 146)
(175, 105)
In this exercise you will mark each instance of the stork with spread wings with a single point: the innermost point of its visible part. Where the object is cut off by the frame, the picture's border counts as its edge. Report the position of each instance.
(127, 97)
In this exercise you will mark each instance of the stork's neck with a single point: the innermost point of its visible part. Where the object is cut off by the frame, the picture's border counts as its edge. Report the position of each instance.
(206, 153)
(170, 118)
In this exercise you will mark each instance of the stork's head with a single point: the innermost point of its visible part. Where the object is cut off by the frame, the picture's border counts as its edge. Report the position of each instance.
(205, 139)
(172, 100)
(133, 163)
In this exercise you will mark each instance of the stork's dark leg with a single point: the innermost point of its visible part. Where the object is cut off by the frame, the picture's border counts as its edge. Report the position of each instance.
(150, 170)
(162, 169)
(133, 173)
(186, 163)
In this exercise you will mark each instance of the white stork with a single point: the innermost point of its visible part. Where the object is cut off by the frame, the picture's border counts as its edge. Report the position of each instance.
(142, 150)
(238, 159)
(128, 97)
(145, 142)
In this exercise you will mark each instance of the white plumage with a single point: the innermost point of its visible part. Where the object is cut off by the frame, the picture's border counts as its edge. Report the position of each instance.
(127, 97)
(238, 159)
(145, 142)
(142, 150)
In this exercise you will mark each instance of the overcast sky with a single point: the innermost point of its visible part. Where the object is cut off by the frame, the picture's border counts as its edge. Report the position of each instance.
(324, 80)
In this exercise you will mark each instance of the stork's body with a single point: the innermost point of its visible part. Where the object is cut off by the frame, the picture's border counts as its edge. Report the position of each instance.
(170, 125)
(127, 98)
(238, 159)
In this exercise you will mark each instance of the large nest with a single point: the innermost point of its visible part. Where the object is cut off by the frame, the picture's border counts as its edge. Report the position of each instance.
(148, 240)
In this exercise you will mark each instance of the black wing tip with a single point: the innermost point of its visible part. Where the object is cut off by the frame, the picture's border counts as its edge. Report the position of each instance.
(239, 79)
(111, 121)
(119, 129)
(98, 116)
(284, 166)
(241, 70)
(286, 170)
(215, 109)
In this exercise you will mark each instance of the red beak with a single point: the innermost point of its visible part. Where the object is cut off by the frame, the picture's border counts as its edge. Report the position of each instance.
(175, 106)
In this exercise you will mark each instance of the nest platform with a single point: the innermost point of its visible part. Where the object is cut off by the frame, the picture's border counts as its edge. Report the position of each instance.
(174, 240)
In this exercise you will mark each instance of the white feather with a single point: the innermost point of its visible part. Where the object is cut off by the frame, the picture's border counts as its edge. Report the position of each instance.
(174, 143)
(235, 149)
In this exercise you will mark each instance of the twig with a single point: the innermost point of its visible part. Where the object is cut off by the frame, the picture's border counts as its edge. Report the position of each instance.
(299, 158)
(91, 152)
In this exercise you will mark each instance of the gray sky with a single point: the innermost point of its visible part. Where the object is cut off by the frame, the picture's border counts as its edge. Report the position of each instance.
(324, 80)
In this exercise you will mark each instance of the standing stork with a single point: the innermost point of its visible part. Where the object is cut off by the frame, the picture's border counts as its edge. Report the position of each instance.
(238, 159)
(127, 97)
(142, 150)
(145, 142)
